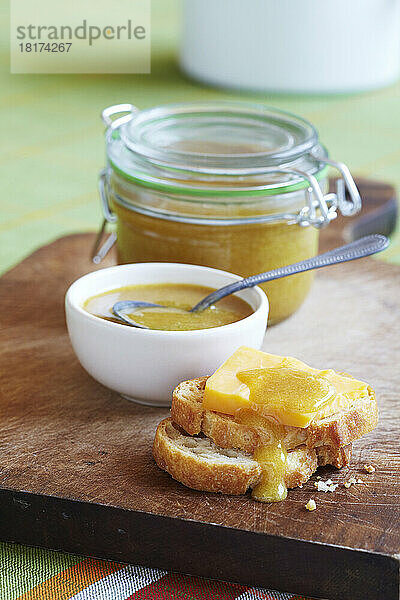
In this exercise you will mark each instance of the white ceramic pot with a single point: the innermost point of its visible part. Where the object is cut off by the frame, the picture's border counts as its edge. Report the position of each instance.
(292, 45)
(146, 365)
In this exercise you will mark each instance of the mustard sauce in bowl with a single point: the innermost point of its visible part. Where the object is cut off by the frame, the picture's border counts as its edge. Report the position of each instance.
(177, 299)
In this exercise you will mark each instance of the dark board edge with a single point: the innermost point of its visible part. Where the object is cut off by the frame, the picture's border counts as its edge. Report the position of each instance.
(197, 548)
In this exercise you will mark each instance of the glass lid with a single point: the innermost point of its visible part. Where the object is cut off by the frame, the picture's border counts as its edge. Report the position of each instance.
(224, 151)
(221, 138)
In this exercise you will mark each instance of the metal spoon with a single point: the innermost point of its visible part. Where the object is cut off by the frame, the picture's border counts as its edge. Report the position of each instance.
(365, 246)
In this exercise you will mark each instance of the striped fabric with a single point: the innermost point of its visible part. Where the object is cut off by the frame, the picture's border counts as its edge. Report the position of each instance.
(80, 578)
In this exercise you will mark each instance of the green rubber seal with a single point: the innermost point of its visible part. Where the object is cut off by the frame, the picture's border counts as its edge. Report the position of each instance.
(141, 180)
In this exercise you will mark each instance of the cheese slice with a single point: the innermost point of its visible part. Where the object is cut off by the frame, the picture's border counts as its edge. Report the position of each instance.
(282, 387)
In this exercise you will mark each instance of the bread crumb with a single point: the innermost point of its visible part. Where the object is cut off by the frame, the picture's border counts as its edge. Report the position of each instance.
(352, 481)
(311, 505)
(369, 468)
(326, 486)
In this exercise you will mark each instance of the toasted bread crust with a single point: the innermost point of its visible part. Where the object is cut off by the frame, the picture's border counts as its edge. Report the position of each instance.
(328, 436)
(199, 472)
(328, 455)
(199, 464)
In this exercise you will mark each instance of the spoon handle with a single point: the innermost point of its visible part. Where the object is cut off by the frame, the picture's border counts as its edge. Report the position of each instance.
(365, 246)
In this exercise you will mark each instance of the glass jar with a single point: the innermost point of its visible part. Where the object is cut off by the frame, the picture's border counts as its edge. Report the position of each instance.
(236, 186)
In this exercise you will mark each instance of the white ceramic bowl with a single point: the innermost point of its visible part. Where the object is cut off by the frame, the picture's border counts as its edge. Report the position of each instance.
(312, 46)
(145, 365)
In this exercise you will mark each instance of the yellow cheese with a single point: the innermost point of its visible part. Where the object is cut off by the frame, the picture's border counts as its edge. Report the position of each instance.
(282, 387)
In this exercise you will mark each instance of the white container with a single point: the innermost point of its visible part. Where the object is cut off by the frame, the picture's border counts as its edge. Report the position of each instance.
(292, 45)
(145, 365)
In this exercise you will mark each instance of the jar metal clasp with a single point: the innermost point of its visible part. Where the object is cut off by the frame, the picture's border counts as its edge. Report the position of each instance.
(346, 198)
(101, 248)
(124, 111)
(113, 117)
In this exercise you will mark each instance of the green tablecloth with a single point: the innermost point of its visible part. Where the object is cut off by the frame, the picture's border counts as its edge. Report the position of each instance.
(52, 149)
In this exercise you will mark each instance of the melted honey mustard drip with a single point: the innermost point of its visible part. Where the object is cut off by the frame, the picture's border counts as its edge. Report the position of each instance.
(271, 455)
(285, 391)
(278, 392)
(272, 459)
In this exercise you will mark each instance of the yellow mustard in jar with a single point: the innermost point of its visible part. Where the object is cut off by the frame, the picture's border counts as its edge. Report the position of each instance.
(235, 186)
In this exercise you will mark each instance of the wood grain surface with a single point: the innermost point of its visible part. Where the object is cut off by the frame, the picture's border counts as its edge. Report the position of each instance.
(76, 470)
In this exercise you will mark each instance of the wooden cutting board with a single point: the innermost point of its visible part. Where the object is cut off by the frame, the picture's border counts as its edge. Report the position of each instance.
(76, 470)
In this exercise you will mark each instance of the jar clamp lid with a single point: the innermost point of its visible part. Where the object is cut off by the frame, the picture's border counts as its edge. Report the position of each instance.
(225, 150)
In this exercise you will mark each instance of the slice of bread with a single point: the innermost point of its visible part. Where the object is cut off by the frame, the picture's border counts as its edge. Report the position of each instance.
(200, 464)
(330, 437)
